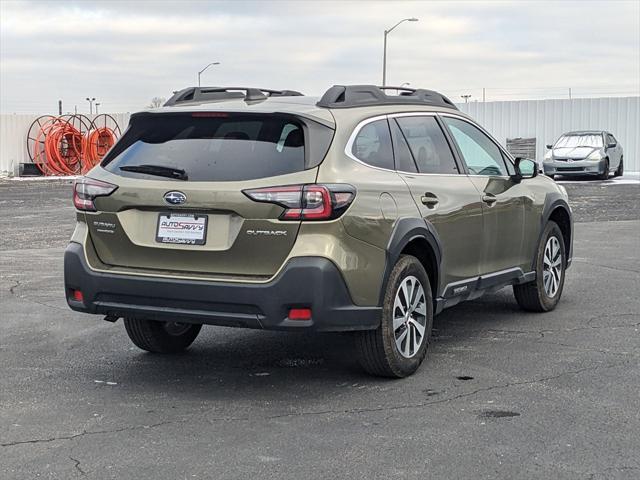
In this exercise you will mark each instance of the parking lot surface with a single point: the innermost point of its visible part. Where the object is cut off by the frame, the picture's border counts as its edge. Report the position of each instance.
(502, 394)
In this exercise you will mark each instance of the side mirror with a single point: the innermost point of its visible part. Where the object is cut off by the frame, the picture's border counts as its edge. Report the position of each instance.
(611, 145)
(525, 168)
(549, 146)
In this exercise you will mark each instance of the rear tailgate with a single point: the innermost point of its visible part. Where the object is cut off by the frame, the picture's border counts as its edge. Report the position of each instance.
(220, 156)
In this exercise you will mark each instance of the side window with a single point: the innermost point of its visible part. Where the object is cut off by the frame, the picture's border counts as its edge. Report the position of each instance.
(372, 145)
(428, 144)
(610, 139)
(404, 158)
(481, 154)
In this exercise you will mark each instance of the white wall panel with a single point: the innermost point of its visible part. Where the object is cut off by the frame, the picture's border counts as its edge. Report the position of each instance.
(548, 119)
(13, 139)
(544, 119)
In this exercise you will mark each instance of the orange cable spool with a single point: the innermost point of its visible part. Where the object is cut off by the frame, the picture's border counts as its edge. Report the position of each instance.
(69, 145)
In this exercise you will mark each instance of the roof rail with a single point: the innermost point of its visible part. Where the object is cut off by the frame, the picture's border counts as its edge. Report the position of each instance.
(212, 94)
(347, 96)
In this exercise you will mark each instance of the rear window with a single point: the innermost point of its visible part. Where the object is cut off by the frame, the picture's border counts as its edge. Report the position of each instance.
(217, 147)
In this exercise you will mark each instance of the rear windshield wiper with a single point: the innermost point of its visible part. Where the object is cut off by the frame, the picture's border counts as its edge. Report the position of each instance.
(158, 170)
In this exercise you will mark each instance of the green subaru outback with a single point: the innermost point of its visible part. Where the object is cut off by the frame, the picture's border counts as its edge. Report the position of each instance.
(359, 211)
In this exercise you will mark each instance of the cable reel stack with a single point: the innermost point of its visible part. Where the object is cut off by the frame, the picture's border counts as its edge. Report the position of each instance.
(70, 144)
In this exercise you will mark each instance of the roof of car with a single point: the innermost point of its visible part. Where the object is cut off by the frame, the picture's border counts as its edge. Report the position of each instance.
(300, 105)
(338, 97)
(586, 132)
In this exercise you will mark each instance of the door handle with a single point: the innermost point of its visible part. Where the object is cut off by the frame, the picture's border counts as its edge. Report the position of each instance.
(489, 199)
(429, 199)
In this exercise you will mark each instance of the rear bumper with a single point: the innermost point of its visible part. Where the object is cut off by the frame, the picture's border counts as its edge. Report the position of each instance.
(304, 282)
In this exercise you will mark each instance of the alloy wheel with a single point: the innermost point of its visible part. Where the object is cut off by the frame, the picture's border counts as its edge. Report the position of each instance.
(552, 267)
(409, 316)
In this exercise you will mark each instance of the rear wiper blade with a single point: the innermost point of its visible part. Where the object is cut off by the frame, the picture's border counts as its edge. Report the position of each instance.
(158, 170)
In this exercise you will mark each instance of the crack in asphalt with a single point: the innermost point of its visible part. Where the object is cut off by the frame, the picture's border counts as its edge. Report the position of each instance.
(12, 289)
(77, 465)
(620, 269)
(85, 432)
(595, 350)
(444, 400)
(321, 412)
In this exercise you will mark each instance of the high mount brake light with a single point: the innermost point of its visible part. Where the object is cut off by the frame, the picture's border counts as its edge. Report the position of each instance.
(86, 190)
(210, 114)
(306, 202)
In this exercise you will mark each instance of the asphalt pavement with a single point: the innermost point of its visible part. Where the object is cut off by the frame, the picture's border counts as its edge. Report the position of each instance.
(502, 394)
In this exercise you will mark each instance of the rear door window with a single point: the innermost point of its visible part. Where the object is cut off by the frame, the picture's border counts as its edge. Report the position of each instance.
(428, 144)
(401, 151)
(372, 145)
(213, 146)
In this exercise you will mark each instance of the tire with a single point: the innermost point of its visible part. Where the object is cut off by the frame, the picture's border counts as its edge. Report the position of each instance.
(378, 350)
(620, 170)
(605, 173)
(161, 337)
(533, 296)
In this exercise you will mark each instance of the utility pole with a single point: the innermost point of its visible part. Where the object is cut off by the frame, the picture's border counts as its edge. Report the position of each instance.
(483, 95)
(59, 107)
(97, 105)
(466, 98)
(569, 93)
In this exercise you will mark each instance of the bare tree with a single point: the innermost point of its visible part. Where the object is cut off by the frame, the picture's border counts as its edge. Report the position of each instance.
(156, 102)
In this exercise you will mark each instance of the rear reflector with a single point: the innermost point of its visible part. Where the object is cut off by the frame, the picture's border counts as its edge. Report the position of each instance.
(77, 295)
(300, 314)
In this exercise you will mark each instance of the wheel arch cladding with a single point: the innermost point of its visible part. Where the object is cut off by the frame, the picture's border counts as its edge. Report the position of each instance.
(417, 237)
(563, 220)
(557, 210)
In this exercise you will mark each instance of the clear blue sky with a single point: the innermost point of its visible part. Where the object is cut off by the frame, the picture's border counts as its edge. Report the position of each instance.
(126, 52)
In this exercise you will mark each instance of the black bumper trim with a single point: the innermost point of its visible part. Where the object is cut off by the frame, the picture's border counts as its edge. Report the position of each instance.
(313, 282)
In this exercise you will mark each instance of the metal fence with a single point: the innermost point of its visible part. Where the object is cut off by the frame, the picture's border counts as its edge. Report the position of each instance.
(544, 120)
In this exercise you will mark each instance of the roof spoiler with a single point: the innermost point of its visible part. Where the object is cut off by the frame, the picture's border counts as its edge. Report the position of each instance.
(212, 94)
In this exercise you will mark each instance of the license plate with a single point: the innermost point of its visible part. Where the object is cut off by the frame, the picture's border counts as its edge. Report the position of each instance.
(182, 228)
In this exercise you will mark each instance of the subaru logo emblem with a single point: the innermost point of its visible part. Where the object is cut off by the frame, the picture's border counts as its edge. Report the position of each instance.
(175, 198)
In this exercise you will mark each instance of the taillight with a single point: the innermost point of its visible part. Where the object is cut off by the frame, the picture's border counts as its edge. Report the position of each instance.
(85, 191)
(306, 202)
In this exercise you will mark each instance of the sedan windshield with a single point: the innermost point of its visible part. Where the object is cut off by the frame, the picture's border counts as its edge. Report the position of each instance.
(568, 141)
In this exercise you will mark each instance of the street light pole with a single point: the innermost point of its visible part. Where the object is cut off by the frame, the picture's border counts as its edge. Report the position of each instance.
(97, 105)
(466, 98)
(200, 72)
(91, 100)
(384, 53)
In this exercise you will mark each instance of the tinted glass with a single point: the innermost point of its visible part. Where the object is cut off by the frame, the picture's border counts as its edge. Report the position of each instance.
(610, 139)
(404, 158)
(372, 145)
(428, 144)
(481, 154)
(226, 148)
